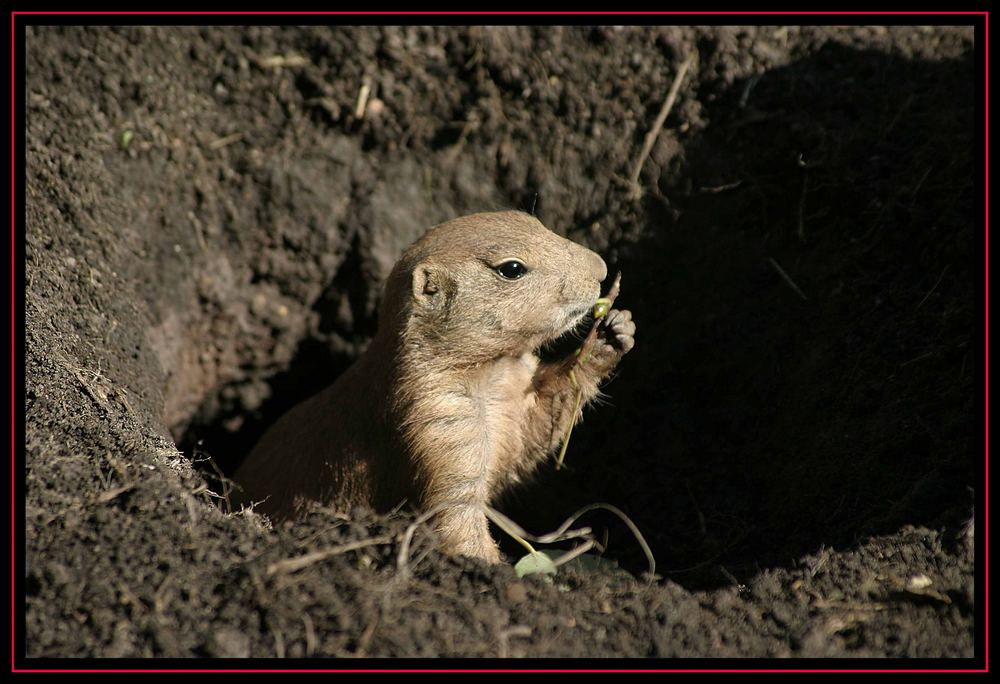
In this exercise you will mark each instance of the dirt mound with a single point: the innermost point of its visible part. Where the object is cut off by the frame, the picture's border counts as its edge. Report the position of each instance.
(209, 215)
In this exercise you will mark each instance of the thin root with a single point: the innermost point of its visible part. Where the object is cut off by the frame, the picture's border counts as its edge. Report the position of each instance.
(601, 309)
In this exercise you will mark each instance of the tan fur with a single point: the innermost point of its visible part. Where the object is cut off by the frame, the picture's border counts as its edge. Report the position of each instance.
(450, 402)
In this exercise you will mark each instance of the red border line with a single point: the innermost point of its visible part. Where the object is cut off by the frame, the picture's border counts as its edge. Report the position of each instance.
(986, 486)
(518, 671)
(13, 419)
(524, 14)
(13, 217)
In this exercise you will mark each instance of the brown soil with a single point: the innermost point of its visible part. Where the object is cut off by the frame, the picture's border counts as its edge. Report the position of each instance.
(207, 223)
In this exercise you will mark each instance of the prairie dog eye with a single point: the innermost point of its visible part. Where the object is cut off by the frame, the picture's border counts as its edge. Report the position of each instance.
(511, 270)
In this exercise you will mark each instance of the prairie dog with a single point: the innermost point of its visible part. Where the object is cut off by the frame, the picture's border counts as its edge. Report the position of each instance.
(450, 402)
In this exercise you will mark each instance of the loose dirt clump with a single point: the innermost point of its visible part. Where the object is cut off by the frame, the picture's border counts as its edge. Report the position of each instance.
(210, 212)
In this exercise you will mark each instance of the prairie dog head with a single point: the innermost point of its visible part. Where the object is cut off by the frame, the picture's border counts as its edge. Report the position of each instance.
(492, 284)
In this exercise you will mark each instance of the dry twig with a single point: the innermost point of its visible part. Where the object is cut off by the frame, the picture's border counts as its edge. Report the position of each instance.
(295, 564)
(654, 132)
(787, 278)
(581, 354)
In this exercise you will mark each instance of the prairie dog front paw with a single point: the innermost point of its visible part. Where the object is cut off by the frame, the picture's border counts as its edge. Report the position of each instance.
(617, 332)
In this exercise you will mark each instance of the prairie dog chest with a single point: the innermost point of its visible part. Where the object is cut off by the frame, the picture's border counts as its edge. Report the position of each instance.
(504, 388)
(502, 395)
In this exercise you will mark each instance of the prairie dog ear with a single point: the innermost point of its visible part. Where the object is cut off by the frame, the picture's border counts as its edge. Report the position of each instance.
(433, 287)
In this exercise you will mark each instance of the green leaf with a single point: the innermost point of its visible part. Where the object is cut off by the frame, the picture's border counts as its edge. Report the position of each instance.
(535, 563)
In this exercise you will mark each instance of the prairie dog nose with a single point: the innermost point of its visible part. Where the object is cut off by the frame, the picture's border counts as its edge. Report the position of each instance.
(600, 269)
(585, 262)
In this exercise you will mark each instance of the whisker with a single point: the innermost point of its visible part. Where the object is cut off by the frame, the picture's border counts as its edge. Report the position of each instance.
(569, 340)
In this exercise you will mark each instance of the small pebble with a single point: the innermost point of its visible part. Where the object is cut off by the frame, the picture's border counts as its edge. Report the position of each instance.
(517, 592)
